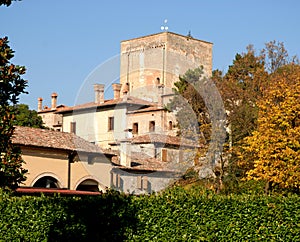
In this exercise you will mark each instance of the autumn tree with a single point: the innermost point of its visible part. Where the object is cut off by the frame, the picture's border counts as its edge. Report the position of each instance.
(274, 148)
(275, 55)
(11, 86)
(242, 88)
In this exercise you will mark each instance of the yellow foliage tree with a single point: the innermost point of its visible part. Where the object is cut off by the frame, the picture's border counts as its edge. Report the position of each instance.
(274, 147)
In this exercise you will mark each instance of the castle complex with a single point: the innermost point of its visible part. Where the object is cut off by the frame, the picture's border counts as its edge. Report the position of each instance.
(149, 67)
(134, 123)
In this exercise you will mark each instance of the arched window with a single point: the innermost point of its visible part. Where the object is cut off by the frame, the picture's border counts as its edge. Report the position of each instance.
(46, 182)
(88, 185)
(170, 125)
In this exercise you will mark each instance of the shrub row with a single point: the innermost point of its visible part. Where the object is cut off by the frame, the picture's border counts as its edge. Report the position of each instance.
(88, 218)
(174, 215)
(180, 215)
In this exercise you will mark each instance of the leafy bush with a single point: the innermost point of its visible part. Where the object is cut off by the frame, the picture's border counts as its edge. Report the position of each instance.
(90, 218)
(180, 215)
(174, 215)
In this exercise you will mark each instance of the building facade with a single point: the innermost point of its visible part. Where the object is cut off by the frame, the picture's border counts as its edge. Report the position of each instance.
(62, 160)
(149, 67)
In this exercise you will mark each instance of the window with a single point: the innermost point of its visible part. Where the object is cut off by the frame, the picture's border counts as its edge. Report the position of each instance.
(116, 180)
(73, 127)
(110, 123)
(157, 80)
(135, 128)
(164, 155)
(151, 126)
(170, 125)
(142, 182)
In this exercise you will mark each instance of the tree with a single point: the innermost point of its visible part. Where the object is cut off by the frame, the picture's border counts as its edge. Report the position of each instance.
(11, 86)
(26, 117)
(200, 114)
(241, 87)
(192, 114)
(6, 2)
(275, 56)
(275, 146)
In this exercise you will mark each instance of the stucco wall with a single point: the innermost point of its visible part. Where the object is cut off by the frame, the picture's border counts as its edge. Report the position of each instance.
(97, 169)
(92, 125)
(54, 163)
(51, 119)
(143, 120)
(42, 162)
(128, 181)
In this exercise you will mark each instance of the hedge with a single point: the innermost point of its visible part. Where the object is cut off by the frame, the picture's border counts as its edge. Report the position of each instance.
(88, 218)
(179, 215)
(173, 215)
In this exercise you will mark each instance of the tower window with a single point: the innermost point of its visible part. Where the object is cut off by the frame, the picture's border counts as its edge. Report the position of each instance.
(170, 125)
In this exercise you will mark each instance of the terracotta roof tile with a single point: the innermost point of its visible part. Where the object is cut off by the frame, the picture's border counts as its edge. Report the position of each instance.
(53, 139)
(143, 162)
(165, 139)
(147, 109)
(48, 110)
(128, 100)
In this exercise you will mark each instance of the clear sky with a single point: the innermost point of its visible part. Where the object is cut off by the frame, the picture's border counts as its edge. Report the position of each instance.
(62, 42)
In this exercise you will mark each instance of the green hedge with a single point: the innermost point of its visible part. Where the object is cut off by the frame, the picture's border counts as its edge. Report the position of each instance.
(89, 218)
(180, 215)
(174, 215)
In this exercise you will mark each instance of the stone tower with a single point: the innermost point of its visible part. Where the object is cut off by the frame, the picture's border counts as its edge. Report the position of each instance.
(159, 59)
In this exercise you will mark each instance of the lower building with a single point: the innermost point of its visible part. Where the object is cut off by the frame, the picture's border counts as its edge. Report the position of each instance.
(62, 160)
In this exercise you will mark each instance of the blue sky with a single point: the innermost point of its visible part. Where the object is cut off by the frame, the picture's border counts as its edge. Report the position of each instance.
(62, 42)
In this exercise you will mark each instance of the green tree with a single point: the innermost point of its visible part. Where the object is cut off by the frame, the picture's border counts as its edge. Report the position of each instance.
(11, 86)
(26, 117)
(192, 114)
(200, 114)
(241, 87)
(6, 2)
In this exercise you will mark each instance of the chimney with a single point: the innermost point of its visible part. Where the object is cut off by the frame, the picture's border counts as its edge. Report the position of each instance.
(40, 104)
(160, 94)
(125, 153)
(53, 100)
(117, 88)
(125, 88)
(99, 93)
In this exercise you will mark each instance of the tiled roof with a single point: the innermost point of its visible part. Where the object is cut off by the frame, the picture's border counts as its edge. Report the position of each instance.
(48, 110)
(165, 139)
(53, 139)
(143, 162)
(147, 109)
(128, 100)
